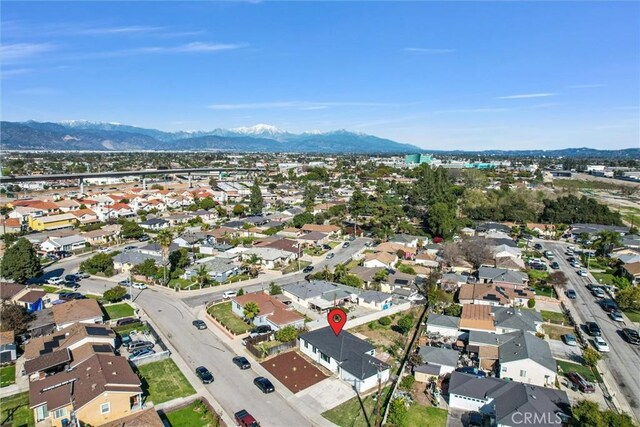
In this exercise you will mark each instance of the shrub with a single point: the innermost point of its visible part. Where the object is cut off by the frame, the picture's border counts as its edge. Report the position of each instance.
(286, 334)
(407, 382)
(531, 303)
(384, 321)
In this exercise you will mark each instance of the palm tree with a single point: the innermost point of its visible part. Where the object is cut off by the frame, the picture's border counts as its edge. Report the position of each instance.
(202, 275)
(253, 264)
(339, 272)
(164, 239)
(251, 310)
(606, 242)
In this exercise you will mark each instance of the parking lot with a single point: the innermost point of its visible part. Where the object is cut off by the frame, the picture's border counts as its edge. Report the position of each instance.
(294, 371)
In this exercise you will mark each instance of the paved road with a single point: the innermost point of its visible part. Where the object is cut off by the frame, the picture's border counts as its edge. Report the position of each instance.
(624, 359)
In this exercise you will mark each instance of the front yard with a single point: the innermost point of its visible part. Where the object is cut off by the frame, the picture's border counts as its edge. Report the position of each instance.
(223, 314)
(163, 381)
(197, 414)
(554, 317)
(350, 413)
(585, 371)
(117, 311)
(15, 411)
(420, 415)
(293, 267)
(634, 316)
(604, 278)
(556, 332)
(7, 375)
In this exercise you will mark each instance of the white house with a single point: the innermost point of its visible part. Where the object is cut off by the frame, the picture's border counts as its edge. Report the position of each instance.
(69, 243)
(527, 359)
(446, 326)
(350, 358)
(273, 312)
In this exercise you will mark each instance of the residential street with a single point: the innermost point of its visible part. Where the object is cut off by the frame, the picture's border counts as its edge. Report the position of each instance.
(621, 364)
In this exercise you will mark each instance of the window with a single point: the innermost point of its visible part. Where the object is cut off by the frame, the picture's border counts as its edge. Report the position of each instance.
(41, 412)
(324, 357)
(315, 350)
(504, 369)
(523, 373)
(105, 408)
(306, 344)
(59, 413)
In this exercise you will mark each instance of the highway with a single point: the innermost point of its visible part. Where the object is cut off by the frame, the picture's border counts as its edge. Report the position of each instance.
(622, 362)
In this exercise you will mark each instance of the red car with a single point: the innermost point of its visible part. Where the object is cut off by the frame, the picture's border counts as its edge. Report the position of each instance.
(245, 419)
(582, 384)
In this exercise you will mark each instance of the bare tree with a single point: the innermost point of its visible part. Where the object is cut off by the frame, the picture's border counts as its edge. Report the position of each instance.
(476, 251)
(451, 253)
(558, 278)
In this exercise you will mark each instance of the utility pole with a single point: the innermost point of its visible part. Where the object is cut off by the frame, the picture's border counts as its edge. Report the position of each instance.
(377, 424)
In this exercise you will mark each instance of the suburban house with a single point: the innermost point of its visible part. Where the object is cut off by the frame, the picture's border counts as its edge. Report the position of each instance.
(100, 389)
(272, 312)
(438, 361)
(501, 276)
(349, 357)
(380, 259)
(52, 222)
(476, 317)
(85, 216)
(7, 347)
(314, 238)
(525, 358)
(69, 244)
(59, 316)
(406, 240)
(331, 230)
(269, 257)
(219, 269)
(632, 271)
(374, 300)
(321, 295)
(499, 320)
(504, 403)
(103, 235)
(490, 294)
(125, 261)
(445, 326)
(154, 224)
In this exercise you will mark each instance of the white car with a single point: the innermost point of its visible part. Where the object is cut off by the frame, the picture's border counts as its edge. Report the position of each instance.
(55, 281)
(229, 294)
(104, 250)
(139, 286)
(582, 273)
(601, 345)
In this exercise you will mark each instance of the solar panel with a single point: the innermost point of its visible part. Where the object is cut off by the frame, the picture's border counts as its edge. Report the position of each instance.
(102, 348)
(92, 330)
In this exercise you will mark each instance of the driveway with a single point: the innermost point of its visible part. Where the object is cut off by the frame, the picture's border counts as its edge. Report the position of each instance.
(560, 350)
(455, 417)
(323, 396)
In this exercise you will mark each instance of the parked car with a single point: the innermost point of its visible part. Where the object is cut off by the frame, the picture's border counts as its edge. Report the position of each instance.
(229, 294)
(579, 381)
(598, 292)
(601, 345)
(137, 285)
(473, 371)
(346, 244)
(308, 269)
(104, 250)
(549, 255)
(205, 376)
(570, 339)
(126, 321)
(330, 255)
(264, 384)
(199, 324)
(57, 280)
(139, 345)
(72, 285)
(83, 275)
(68, 296)
(128, 248)
(143, 238)
(608, 305)
(571, 294)
(241, 362)
(71, 278)
(125, 283)
(141, 353)
(537, 246)
(616, 315)
(631, 335)
(260, 330)
(539, 266)
(582, 272)
(555, 265)
(245, 419)
(593, 329)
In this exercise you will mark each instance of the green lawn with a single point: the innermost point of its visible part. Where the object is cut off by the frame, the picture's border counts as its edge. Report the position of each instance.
(545, 291)
(223, 314)
(585, 371)
(14, 410)
(553, 317)
(634, 316)
(604, 278)
(334, 244)
(195, 415)
(293, 267)
(182, 283)
(124, 330)
(349, 414)
(420, 415)
(163, 381)
(353, 264)
(118, 311)
(238, 278)
(556, 332)
(7, 375)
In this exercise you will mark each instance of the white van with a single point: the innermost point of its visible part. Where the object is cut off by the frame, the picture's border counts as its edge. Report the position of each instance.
(229, 294)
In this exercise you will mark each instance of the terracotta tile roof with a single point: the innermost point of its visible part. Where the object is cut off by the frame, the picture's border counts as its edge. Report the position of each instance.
(76, 311)
(80, 212)
(279, 313)
(393, 248)
(11, 222)
(7, 337)
(120, 206)
(384, 257)
(321, 228)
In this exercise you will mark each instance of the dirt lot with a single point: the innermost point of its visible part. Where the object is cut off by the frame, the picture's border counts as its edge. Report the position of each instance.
(294, 371)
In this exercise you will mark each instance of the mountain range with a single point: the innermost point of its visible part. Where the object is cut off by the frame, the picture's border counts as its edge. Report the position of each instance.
(80, 135)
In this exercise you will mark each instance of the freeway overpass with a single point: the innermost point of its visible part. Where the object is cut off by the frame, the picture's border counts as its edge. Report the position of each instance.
(10, 179)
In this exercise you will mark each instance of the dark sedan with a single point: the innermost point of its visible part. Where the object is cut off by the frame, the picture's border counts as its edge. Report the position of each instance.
(242, 362)
(264, 384)
(204, 375)
(199, 324)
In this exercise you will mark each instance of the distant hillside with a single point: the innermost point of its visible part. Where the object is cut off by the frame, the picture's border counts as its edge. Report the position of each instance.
(80, 135)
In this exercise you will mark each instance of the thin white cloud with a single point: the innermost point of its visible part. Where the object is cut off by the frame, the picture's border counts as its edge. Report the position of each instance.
(119, 30)
(305, 105)
(586, 86)
(194, 47)
(15, 72)
(17, 52)
(528, 95)
(427, 51)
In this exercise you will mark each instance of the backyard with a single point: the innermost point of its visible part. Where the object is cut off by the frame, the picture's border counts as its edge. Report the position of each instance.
(196, 414)
(163, 381)
(350, 413)
(15, 411)
(7, 375)
(585, 371)
(223, 314)
(420, 415)
(117, 311)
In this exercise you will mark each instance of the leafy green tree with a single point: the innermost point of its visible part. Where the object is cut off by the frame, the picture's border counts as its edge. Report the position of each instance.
(240, 292)
(131, 230)
(99, 263)
(629, 298)
(117, 293)
(202, 276)
(274, 289)
(381, 275)
(207, 203)
(164, 239)
(286, 334)
(251, 310)
(453, 310)
(253, 265)
(441, 220)
(591, 357)
(606, 242)
(407, 382)
(309, 196)
(146, 268)
(20, 262)
(352, 280)
(384, 320)
(588, 413)
(179, 259)
(406, 269)
(398, 413)
(301, 219)
(256, 202)
(238, 210)
(620, 282)
(405, 324)
(531, 303)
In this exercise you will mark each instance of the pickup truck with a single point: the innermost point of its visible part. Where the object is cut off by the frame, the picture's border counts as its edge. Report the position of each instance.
(245, 419)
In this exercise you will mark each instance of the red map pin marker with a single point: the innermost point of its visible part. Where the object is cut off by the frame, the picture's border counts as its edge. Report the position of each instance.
(337, 318)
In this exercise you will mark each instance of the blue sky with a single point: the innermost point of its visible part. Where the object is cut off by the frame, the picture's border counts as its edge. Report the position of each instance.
(458, 75)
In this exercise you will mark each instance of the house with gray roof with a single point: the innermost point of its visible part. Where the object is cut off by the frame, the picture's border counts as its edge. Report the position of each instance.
(349, 357)
(374, 299)
(446, 326)
(504, 403)
(444, 358)
(125, 261)
(502, 276)
(509, 319)
(321, 295)
(219, 269)
(525, 358)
